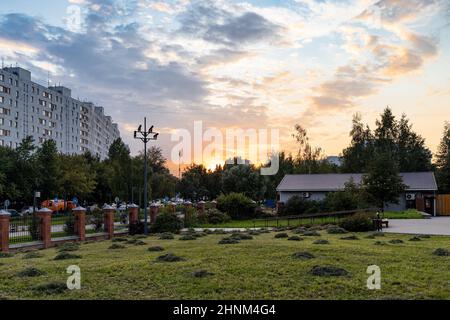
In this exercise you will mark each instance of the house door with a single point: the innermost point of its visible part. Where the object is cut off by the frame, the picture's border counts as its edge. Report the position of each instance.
(429, 205)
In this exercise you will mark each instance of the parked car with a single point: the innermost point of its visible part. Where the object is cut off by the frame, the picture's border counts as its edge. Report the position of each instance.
(27, 210)
(14, 213)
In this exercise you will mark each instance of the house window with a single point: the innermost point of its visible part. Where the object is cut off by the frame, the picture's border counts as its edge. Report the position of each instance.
(2, 77)
(2, 99)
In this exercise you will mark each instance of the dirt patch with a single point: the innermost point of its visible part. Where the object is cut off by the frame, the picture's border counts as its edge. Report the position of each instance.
(66, 256)
(202, 273)
(68, 246)
(295, 238)
(336, 230)
(33, 255)
(53, 287)
(311, 233)
(30, 272)
(187, 237)
(415, 239)
(321, 241)
(303, 255)
(229, 240)
(352, 237)
(441, 252)
(281, 235)
(116, 246)
(155, 249)
(396, 241)
(166, 236)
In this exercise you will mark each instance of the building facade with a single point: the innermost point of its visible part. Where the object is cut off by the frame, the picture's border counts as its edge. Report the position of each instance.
(30, 109)
(420, 193)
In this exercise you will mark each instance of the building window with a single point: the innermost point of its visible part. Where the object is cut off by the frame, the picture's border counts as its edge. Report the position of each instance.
(2, 77)
(2, 99)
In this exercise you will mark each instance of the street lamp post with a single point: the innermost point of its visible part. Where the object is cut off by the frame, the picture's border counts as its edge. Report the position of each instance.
(145, 136)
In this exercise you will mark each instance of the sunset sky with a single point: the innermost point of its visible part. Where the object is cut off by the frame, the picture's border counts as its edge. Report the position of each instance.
(243, 64)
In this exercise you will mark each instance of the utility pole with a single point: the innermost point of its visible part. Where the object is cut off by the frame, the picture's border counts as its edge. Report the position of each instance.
(145, 136)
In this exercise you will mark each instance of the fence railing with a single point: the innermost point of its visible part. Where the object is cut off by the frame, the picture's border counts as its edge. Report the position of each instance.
(293, 220)
(24, 229)
(63, 225)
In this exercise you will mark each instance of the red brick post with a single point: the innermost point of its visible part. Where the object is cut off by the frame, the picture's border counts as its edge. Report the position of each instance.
(133, 214)
(214, 204)
(45, 221)
(80, 222)
(154, 208)
(4, 230)
(108, 218)
(172, 207)
(201, 207)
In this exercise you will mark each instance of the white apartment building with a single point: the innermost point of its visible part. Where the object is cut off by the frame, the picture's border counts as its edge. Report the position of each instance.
(30, 109)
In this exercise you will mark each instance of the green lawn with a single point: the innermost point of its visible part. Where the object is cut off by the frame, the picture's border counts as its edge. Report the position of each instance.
(261, 268)
(408, 214)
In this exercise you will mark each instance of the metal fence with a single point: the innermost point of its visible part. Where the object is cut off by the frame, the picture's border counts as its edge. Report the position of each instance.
(94, 223)
(120, 221)
(63, 225)
(24, 229)
(304, 219)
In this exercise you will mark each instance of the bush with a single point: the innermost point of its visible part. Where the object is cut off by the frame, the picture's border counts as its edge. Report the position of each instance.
(215, 216)
(236, 205)
(298, 205)
(359, 222)
(167, 222)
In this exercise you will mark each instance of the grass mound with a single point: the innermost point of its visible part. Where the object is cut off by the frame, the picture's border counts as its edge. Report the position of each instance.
(119, 240)
(295, 238)
(441, 252)
(139, 243)
(66, 256)
(281, 235)
(415, 239)
(395, 241)
(68, 246)
(321, 241)
(241, 236)
(188, 237)
(303, 255)
(311, 233)
(229, 240)
(155, 249)
(379, 243)
(201, 273)
(336, 230)
(169, 257)
(299, 230)
(32, 255)
(30, 272)
(166, 236)
(116, 246)
(328, 271)
(53, 287)
(352, 237)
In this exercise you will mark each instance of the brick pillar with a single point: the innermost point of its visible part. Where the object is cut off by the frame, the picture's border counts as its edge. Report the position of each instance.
(172, 207)
(201, 207)
(80, 222)
(133, 214)
(45, 226)
(108, 218)
(187, 204)
(214, 204)
(153, 212)
(4, 230)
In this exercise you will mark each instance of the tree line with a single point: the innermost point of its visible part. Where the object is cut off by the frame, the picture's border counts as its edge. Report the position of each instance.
(393, 144)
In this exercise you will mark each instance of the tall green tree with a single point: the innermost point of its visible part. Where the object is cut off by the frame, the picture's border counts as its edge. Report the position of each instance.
(120, 161)
(383, 183)
(413, 155)
(357, 155)
(443, 160)
(48, 169)
(244, 179)
(77, 177)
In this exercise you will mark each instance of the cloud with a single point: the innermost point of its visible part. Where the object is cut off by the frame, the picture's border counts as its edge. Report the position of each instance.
(216, 24)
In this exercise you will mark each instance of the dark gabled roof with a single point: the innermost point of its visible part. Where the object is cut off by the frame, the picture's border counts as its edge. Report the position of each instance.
(415, 181)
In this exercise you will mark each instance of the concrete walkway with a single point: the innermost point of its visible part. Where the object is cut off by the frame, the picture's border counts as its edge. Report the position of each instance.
(436, 226)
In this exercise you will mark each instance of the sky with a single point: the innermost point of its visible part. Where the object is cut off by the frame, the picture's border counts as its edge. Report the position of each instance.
(241, 64)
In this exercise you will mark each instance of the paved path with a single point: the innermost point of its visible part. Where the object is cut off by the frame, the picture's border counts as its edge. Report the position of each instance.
(436, 225)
